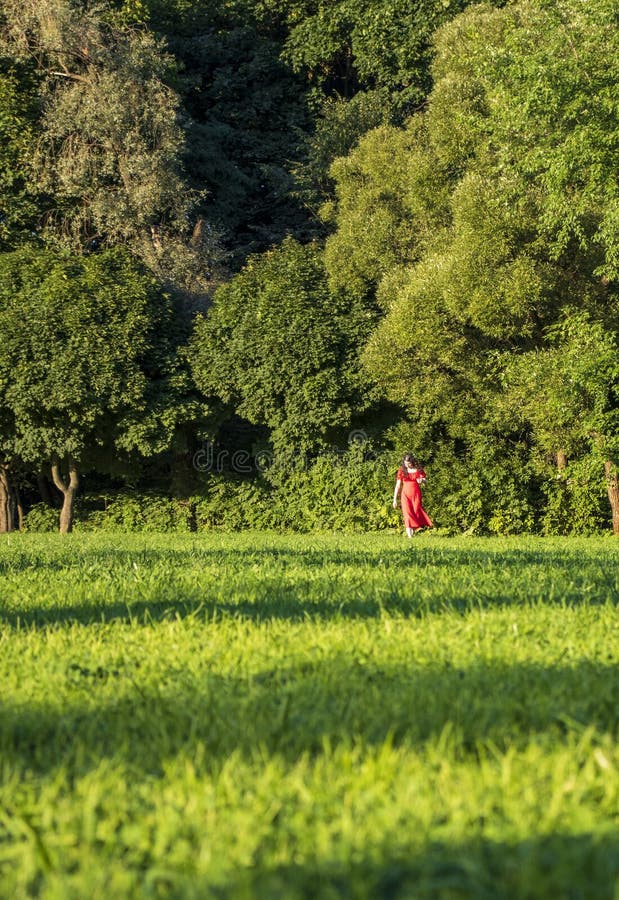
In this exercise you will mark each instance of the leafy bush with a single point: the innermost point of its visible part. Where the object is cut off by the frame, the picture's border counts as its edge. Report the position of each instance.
(488, 490)
(347, 491)
(41, 517)
(576, 502)
(233, 504)
(352, 491)
(135, 512)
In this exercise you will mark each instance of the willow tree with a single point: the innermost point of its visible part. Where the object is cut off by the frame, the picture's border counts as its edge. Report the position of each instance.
(109, 152)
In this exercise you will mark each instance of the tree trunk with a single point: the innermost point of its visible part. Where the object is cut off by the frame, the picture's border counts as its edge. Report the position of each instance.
(8, 501)
(612, 484)
(561, 461)
(68, 489)
(20, 510)
(45, 492)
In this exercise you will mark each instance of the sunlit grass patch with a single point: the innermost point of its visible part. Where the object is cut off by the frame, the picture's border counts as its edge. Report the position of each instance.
(263, 715)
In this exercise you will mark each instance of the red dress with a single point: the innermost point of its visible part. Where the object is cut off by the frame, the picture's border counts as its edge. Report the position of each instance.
(414, 514)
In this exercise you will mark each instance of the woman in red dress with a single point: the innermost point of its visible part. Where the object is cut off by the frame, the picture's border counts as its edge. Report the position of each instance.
(410, 477)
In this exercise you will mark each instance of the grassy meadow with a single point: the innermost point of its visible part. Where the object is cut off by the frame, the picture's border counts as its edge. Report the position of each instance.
(268, 716)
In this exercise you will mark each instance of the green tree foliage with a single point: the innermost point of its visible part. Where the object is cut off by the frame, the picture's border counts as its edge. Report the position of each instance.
(530, 92)
(567, 392)
(349, 45)
(473, 249)
(391, 203)
(495, 211)
(368, 63)
(109, 147)
(281, 349)
(337, 128)
(88, 368)
(484, 269)
(18, 208)
(276, 91)
(248, 114)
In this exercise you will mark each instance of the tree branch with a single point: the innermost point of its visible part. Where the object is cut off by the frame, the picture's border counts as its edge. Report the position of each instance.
(56, 475)
(65, 486)
(72, 76)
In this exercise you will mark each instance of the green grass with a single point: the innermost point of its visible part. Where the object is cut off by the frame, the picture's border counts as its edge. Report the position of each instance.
(271, 716)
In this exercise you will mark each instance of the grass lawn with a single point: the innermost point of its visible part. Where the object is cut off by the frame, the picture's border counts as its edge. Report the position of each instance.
(329, 716)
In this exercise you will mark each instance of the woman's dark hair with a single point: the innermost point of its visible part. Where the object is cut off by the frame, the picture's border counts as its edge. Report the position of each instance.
(410, 458)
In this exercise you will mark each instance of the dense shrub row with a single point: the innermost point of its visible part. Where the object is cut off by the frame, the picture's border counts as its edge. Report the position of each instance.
(354, 493)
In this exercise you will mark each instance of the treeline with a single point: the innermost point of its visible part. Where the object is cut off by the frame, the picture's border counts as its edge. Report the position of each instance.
(308, 235)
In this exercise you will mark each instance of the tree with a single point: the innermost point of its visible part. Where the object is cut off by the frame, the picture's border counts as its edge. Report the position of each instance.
(248, 114)
(18, 206)
(391, 201)
(281, 349)
(245, 112)
(463, 231)
(493, 213)
(276, 91)
(11, 511)
(368, 63)
(89, 369)
(567, 391)
(18, 212)
(109, 150)
(350, 45)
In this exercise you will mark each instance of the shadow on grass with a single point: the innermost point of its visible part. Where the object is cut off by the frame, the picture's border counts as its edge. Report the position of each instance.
(110, 713)
(295, 585)
(398, 553)
(545, 867)
(288, 605)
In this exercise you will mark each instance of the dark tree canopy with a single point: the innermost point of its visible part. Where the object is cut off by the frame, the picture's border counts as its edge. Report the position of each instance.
(281, 349)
